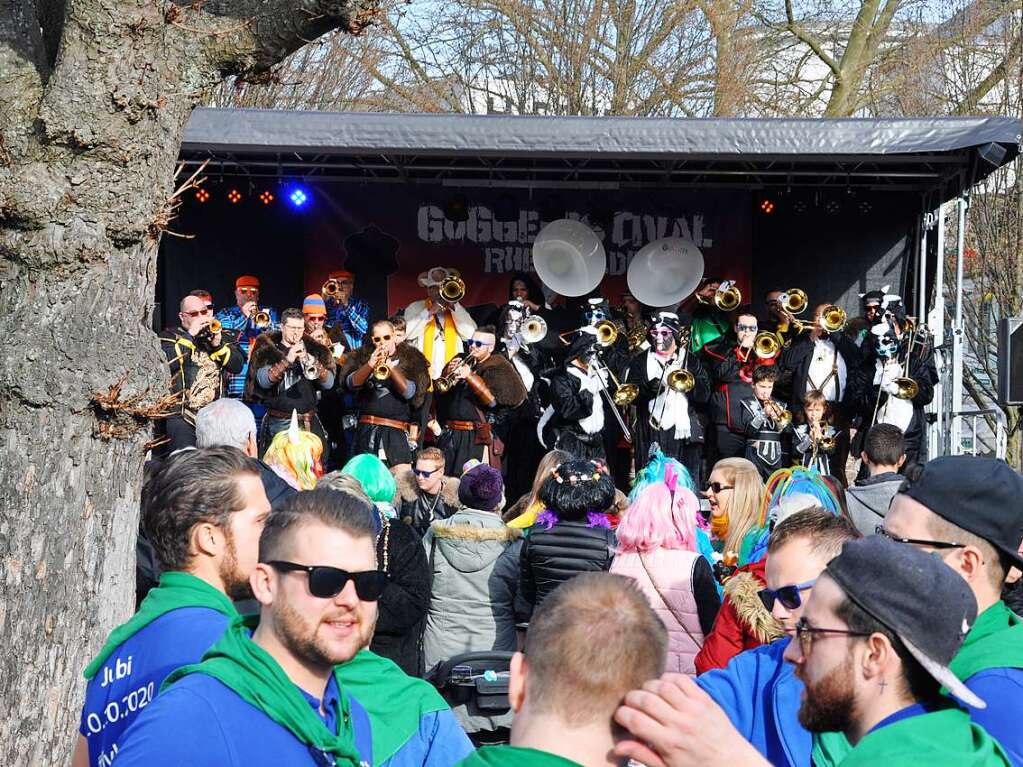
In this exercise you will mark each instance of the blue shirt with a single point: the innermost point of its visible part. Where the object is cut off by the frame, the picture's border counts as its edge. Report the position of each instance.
(352, 319)
(200, 722)
(232, 318)
(1002, 690)
(126, 684)
(439, 742)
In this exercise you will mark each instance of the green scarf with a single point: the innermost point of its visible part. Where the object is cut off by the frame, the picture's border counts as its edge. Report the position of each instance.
(394, 701)
(258, 679)
(514, 756)
(176, 589)
(995, 641)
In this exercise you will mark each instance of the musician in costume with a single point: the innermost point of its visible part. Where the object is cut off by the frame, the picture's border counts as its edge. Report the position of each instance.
(347, 314)
(332, 407)
(389, 382)
(767, 424)
(437, 327)
(198, 358)
(664, 413)
(815, 439)
(710, 325)
(241, 320)
(574, 420)
(873, 303)
(474, 398)
(287, 371)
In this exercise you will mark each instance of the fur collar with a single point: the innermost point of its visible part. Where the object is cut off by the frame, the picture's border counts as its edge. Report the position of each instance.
(266, 351)
(503, 380)
(411, 360)
(474, 533)
(408, 490)
(742, 590)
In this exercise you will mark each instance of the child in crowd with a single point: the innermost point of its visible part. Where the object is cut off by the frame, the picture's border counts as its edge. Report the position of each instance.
(767, 424)
(815, 438)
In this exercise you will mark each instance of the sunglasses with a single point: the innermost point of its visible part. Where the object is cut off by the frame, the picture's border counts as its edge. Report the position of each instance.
(717, 487)
(747, 328)
(380, 339)
(315, 318)
(249, 291)
(477, 344)
(879, 530)
(424, 473)
(198, 312)
(326, 582)
(660, 333)
(789, 596)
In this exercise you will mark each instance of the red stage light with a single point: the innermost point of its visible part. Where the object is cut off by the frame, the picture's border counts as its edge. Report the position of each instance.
(767, 206)
(266, 197)
(202, 195)
(234, 196)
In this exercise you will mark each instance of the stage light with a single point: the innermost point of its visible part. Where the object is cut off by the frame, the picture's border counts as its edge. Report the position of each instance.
(234, 196)
(202, 195)
(799, 207)
(832, 206)
(298, 197)
(865, 207)
(767, 206)
(266, 197)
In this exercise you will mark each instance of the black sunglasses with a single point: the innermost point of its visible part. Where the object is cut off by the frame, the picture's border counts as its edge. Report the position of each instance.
(789, 596)
(717, 487)
(326, 582)
(424, 473)
(879, 530)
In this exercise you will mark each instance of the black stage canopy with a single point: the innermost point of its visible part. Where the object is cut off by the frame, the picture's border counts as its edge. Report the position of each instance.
(935, 156)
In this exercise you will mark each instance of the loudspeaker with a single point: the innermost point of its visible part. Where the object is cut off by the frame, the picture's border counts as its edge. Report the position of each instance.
(1010, 361)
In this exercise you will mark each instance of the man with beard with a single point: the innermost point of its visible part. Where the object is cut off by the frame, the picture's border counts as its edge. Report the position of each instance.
(664, 414)
(266, 692)
(202, 511)
(873, 656)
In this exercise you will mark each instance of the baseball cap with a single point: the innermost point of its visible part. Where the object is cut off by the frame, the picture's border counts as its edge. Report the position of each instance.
(923, 601)
(247, 281)
(983, 496)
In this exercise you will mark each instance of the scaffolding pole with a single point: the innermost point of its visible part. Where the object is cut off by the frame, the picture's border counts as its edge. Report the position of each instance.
(956, 446)
(938, 436)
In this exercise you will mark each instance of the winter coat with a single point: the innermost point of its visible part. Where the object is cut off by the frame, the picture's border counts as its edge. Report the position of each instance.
(667, 577)
(411, 504)
(742, 623)
(870, 498)
(551, 557)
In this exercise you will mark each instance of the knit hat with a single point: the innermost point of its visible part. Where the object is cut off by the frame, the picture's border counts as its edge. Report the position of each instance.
(481, 488)
(313, 304)
(247, 281)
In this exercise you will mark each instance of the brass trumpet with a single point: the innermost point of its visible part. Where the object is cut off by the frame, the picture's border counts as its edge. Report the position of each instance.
(331, 289)
(766, 345)
(533, 330)
(727, 299)
(680, 380)
(827, 444)
(261, 319)
(382, 372)
(215, 326)
(794, 301)
(908, 388)
(833, 318)
(452, 289)
(781, 417)
(446, 383)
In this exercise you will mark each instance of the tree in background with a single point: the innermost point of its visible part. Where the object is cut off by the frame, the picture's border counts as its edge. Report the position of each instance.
(96, 94)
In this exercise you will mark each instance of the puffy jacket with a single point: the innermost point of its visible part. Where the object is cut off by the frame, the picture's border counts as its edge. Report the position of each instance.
(668, 577)
(551, 557)
(870, 498)
(742, 623)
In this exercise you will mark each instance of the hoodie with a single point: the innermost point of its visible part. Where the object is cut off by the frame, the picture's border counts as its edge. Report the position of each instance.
(870, 498)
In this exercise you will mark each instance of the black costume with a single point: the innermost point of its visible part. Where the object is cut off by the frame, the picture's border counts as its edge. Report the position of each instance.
(283, 387)
(197, 375)
(768, 443)
(384, 416)
(475, 411)
(575, 420)
(418, 509)
(522, 450)
(732, 370)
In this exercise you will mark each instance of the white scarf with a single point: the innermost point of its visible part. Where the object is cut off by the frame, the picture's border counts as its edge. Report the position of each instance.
(897, 412)
(670, 407)
(591, 424)
(524, 372)
(825, 355)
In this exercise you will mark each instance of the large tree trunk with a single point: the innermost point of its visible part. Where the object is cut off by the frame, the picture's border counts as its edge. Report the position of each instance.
(95, 95)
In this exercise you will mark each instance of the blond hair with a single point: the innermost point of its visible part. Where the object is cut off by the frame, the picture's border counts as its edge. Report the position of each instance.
(593, 639)
(744, 505)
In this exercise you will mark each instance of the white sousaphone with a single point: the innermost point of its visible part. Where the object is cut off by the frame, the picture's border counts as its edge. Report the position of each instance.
(569, 258)
(665, 271)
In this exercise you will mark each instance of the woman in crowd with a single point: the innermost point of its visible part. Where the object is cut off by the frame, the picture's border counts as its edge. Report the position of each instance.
(294, 455)
(657, 547)
(735, 490)
(523, 513)
(406, 598)
(572, 535)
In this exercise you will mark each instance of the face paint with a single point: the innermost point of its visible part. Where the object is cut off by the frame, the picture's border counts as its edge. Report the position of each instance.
(887, 346)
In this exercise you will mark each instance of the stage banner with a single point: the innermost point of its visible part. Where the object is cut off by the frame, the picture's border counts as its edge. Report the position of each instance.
(386, 234)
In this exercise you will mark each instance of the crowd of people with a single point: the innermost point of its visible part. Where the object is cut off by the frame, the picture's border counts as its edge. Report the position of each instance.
(329, 559)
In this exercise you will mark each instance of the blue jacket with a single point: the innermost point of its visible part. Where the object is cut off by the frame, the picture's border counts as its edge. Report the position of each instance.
(760, 693)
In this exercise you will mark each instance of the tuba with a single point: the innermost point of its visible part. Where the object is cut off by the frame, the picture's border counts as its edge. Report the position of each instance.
(452, 288)
(766, 345)
(726, 299)
(569, 258)
(833, 318)
(794, 301)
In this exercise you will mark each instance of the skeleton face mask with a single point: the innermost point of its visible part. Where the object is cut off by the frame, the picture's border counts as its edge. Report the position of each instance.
(887, 345)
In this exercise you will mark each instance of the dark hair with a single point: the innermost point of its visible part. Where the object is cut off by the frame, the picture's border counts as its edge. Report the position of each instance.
(746, 310)
(200, 293)
(838, 490)
(336, 509)
(192, 487)
(533, 290)
(572, 500)
(885, 444)
(486, 329)
(398, 322)
(825, 532)
(292, 314)
(918, 682)
(765, 373)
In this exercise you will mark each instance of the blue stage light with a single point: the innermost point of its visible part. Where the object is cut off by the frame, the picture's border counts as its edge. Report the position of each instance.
(298, 197)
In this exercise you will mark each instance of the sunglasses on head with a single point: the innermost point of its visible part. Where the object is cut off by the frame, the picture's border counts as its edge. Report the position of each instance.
(717, 487)
(198, 312)
(424, 473)
(477, 343)
(326, 582)
(789, 596)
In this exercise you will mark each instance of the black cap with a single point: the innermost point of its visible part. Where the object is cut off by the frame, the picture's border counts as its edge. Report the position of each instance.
(984, 496)
(923, 601)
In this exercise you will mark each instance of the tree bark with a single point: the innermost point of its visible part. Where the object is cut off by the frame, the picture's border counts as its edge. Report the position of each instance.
(96, 96)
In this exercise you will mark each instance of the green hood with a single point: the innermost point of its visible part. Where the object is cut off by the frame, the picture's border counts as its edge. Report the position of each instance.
(512, 756)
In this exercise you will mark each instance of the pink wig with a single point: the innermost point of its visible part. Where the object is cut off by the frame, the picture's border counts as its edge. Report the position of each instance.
(659, 519)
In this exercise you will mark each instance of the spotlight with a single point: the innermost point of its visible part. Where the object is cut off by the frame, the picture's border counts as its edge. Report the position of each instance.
(298, 197)
(832, 206)
(202, 195)
(234, 196)
(266, 197)
(767, 206)
(865, 207)
(799, 207)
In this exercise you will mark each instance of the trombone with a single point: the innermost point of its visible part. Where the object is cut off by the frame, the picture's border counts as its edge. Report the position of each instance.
(452, 288)
(679, 380)
(727, 296)
(833, 318)
(625, 393)
(794, 300)
(766, 345)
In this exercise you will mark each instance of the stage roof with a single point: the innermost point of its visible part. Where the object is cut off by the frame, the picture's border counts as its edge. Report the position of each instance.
(936, 155)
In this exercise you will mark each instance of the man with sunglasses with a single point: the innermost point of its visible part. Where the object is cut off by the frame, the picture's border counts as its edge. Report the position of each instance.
(969, 512)
(425, 493)
(389, 382)
(240, 319)
(485, 389)
(758, 690)
(198, 359)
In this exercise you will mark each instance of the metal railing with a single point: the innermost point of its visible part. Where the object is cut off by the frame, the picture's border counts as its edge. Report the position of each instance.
(1001, 431)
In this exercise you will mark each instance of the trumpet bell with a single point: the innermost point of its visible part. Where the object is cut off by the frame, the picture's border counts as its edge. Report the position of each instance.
(534, 330)
(625, 394)
(261, 319)
(833, 318)
(794, 301)
(331, 288)
(569, 258)
(665, 271)
(727, 299)
(452, 289)
(381, 372)
(215, 326)
(681, 381)
(827, 443)
(607, 333)
(783, 420)
(442, 385)
(766, 345)
(908, 388)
